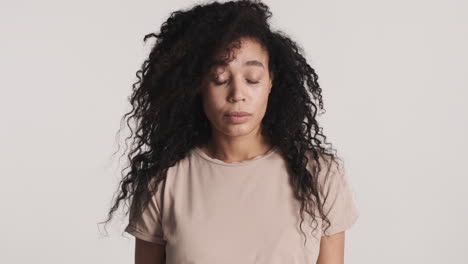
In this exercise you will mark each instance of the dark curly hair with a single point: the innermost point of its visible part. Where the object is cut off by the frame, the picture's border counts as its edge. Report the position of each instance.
(167, 108)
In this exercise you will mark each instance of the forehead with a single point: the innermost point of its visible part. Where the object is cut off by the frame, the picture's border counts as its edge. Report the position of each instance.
(249, 53)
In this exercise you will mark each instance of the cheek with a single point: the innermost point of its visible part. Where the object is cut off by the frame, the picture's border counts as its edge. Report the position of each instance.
(211, 103)
(261, 99)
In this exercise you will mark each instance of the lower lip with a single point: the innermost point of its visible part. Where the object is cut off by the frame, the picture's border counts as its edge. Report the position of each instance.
(237, 119)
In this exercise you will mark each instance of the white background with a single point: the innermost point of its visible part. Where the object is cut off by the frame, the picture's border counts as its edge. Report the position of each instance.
(395, 80)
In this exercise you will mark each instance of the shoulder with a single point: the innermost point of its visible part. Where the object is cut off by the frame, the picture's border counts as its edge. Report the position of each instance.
(324, 164)
(328, 172)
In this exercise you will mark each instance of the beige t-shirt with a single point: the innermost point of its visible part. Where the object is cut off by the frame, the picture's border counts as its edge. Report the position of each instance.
(208, 211)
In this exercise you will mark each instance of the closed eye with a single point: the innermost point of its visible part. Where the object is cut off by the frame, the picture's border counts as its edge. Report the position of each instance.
(219, 83)
(249, 81)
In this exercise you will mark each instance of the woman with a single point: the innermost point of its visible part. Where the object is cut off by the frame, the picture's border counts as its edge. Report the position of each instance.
(229, 159)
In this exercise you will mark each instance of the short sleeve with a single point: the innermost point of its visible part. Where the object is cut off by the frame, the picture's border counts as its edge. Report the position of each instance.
(148, 226)
(337, 199)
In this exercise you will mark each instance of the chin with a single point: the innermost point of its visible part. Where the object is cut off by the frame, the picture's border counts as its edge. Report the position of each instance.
(237, 130)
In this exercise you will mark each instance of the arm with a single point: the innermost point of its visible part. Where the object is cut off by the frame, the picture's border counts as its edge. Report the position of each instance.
(149, 253)
(332, 249)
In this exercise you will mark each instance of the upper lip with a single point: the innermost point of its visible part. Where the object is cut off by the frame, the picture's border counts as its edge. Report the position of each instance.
(237, 113)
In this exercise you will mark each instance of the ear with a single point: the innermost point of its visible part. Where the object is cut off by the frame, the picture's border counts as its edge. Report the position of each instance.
(271, 81)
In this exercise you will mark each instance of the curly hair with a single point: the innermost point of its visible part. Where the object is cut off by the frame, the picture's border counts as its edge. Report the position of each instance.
(167, 108)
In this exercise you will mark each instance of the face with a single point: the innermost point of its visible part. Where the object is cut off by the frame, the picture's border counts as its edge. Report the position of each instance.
(241, 86)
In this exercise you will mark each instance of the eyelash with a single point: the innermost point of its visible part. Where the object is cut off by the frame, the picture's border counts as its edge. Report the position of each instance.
(218, 83)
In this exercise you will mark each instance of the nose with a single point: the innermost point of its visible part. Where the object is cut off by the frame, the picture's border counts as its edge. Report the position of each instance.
(237, 90)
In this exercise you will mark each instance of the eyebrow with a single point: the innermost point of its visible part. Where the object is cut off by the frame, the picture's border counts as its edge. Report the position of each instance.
(247, 63)
(254, 63)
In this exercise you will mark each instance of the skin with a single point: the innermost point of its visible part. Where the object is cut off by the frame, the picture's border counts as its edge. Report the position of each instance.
(149, 253)
(246, 85)
(332, 249)
(237, 142)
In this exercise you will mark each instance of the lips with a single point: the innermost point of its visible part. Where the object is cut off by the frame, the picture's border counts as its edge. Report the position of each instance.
(237, 113)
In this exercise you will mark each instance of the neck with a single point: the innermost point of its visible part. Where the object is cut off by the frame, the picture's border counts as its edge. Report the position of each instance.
(236, 150)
